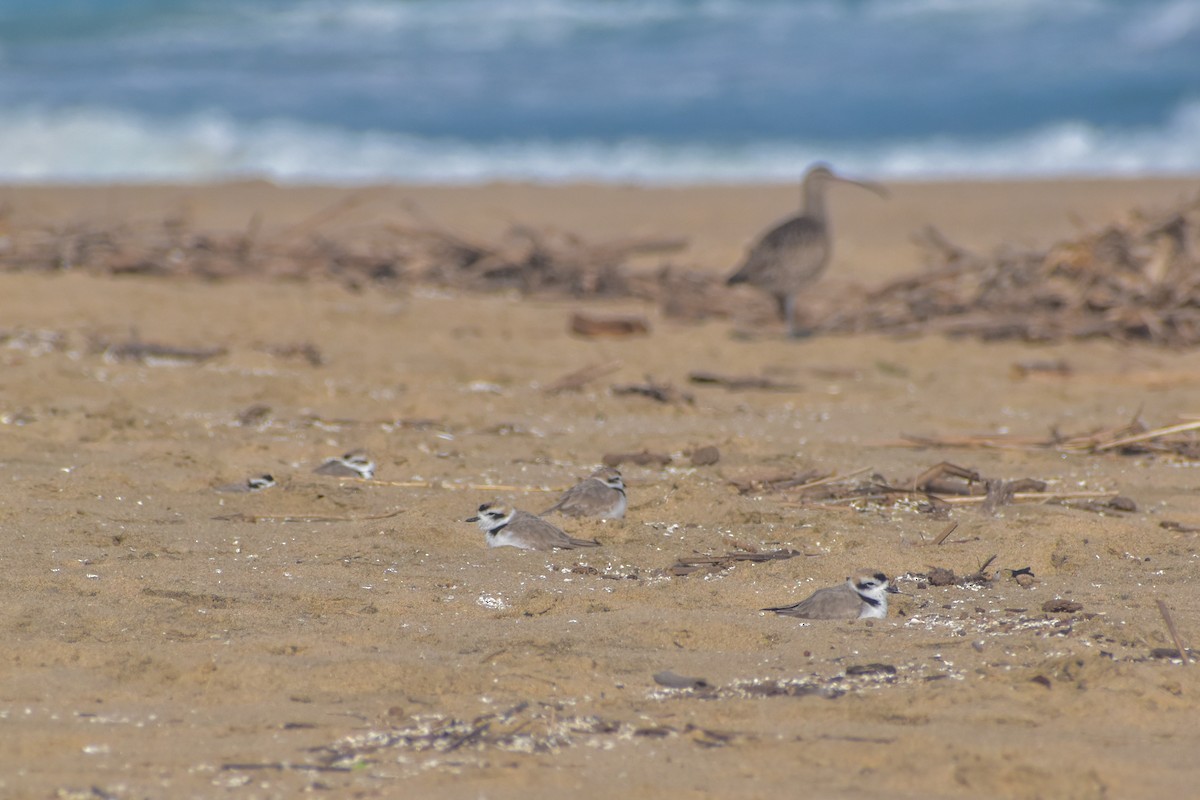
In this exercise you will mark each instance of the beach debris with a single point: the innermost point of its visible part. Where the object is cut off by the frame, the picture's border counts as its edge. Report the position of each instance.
(705, 456)
(576, 380)
(254, 519)
(306, 351)
(943, 576)
(1179, 527)
(940, 576)
(1061, 606)
(780, 480)
(1136, 279)
(153, 353)
(937, 489)
(527, 727)
(1183, 652)
(1028, 369)
(644, 458)
(662, 392)
(1181, 439)
(740, 382)
(1172, 653)
(686, 565)
(592, 326)
(945, 534)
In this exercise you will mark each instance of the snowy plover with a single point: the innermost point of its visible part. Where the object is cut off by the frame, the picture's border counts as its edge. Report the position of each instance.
(254, 484)
(354, 464)
(601, 494)
(862, 596)
(511, 527)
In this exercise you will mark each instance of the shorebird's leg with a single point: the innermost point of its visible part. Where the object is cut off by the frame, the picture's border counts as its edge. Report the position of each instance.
(782, 304)
(795, 330)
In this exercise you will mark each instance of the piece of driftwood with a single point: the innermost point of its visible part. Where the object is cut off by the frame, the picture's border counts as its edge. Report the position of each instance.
(1137, 279)
(134, 349)
(935, 490)
(577, 379)
(1133, 438)
(803, 481)
(662, 392)
(643, 458)
(592, 326)
(686, 565)
(945, 534)
(739, 382)
(1171, 629)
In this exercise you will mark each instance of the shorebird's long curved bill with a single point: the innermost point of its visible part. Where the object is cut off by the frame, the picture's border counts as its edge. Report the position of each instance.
(871, 186)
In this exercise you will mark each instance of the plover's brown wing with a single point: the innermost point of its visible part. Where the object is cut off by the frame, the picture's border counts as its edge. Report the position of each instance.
(838, 602)
(586, 499)
(536, 533)
(573, 543)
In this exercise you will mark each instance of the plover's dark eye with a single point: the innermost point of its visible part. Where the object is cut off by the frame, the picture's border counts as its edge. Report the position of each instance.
(879, 576)
(483, 508)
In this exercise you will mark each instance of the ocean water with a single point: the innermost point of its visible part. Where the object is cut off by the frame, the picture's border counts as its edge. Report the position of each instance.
(648, 91)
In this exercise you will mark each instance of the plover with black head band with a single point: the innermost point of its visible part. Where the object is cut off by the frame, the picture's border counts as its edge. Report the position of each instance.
(862, 596)
(506, 526)
(601, 494)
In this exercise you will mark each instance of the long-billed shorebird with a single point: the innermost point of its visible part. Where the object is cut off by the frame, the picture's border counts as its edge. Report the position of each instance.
(794, 253)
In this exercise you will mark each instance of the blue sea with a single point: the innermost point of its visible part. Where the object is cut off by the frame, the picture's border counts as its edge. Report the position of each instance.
(641, 91)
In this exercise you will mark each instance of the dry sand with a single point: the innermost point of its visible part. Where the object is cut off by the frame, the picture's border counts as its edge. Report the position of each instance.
(166, 640)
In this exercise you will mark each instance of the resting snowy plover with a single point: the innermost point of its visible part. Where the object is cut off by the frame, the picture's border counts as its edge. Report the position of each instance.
(254, 484)
(862, 596)
(601, 494)
(511, 527)
(354, 464)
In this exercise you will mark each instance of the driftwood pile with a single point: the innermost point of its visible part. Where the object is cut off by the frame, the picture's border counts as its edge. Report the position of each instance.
(936, 491)
(1133, 280)
(1132, 438)
(524, 259)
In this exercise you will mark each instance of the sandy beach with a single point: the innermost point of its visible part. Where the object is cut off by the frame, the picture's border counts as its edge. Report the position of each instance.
(355, 638)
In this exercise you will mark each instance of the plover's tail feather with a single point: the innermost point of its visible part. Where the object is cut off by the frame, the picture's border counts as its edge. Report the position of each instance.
(583, 542)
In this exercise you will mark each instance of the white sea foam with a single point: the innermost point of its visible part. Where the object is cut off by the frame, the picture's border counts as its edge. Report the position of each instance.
(93, 145)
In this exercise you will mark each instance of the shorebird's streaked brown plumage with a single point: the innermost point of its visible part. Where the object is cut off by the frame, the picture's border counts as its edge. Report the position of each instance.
(794, 253)
(862, 596)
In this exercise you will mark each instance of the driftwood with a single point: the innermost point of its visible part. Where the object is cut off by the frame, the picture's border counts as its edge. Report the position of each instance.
(934, 490)
(645, 458)
(134, 349)
(662, 392)
(1136, 280)
(591, 327)
(689, 564)
(736, 382)
(574, 381)
(1133, 280)
(1133, 438)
